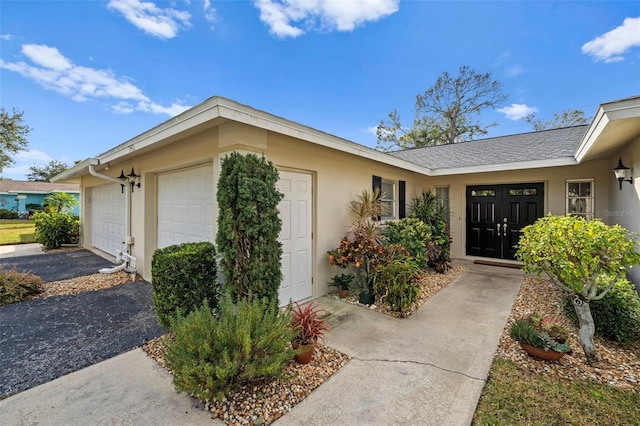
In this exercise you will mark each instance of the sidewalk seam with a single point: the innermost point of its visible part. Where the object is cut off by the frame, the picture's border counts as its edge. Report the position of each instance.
(428, 364)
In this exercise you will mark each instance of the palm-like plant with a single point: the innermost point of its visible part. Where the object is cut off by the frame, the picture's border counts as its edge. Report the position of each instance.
(59, 201)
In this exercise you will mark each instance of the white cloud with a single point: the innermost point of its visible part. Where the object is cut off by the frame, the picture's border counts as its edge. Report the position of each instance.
(6, 36)
(53, 71)
(286, 17)
(161, 23)
(610, 46)
(24, 160)
(373, 130)
(517, 111)
(514, 70)
(209, 12)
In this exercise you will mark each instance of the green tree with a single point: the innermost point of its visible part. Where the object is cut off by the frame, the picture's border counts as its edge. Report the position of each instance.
(46, 172)
(249, 226)
(446, 113)
(578, 254)
(59, 201)
(567, 118)
(13, 136)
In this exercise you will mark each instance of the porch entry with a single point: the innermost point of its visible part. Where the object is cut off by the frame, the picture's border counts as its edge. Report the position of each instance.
(495, 215)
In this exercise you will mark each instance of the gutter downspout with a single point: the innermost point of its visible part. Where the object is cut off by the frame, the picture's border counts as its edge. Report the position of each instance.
(126, 257)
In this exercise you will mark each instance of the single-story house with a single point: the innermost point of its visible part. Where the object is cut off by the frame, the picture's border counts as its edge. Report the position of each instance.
(18, 195)
(159, 188)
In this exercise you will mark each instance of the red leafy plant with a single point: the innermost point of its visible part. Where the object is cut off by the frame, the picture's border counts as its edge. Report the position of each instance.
(308, 325)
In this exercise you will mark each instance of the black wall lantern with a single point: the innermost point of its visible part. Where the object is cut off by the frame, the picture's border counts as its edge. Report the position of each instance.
(132, 179)
(621, 173)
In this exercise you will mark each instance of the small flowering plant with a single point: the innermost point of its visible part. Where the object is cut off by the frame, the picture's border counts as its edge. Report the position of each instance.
(540, 331)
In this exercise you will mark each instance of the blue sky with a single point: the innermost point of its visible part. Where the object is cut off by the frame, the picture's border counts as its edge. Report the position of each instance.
(92, 74)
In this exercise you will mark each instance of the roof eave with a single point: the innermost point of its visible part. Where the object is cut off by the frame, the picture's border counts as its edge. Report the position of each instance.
(80, 169)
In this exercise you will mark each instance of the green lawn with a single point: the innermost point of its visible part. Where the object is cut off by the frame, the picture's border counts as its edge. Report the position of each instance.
(16, 231)
(513, 396)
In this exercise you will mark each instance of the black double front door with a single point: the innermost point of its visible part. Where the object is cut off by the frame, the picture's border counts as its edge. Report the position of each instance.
(495, 215)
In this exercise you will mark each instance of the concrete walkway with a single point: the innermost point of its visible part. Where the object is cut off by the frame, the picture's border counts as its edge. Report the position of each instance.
(428, 369)
(20, 250)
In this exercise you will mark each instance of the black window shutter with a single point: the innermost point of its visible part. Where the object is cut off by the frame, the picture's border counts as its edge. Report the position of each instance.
(402, 199)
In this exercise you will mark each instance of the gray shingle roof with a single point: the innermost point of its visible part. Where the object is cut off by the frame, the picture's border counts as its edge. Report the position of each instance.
(35, 187)
(544, 145)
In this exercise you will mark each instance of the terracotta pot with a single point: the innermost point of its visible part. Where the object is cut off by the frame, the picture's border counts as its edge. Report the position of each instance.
(304, 357)
(343, 293)
(540, 354)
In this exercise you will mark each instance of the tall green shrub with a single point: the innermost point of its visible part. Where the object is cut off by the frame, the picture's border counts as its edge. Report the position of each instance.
(54, 229)
(428, 209)
(213, 354)
(249, 225)
(184, 275)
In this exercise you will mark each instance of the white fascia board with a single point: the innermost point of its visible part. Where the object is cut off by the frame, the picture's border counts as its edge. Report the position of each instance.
(536, 164)
(619, 110)
(82, 168)
(289, 128)
(226, 108)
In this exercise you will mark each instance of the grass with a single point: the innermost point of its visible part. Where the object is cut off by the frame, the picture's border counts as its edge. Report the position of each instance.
(513, 396)
(16, 231)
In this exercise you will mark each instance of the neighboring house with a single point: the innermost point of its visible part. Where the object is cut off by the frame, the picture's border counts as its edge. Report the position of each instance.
(493, 186)
(17, 195)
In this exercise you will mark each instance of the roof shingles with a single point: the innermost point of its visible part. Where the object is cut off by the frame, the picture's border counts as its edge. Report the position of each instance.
(535, 146)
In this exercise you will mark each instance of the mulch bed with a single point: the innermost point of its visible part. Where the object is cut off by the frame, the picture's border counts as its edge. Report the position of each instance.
(619, 367)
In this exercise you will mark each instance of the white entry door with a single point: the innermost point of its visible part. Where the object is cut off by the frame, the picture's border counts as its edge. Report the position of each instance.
(107, 218)
(295, 212)
(185, 206)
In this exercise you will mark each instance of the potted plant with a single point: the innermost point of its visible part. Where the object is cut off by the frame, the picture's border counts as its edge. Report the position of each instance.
(540, 337)
(437, 257)
(342, 282)
(309, 329)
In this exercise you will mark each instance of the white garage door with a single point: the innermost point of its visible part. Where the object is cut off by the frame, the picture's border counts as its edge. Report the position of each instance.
(295, 212)
(107, 214)
(185, 206)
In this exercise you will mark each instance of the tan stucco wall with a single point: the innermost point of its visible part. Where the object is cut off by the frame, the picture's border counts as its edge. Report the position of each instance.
(200, 149)
(624, 206)
(337, 179)
(554, 197)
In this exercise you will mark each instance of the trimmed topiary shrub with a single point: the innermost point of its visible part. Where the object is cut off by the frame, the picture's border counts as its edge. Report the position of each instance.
(413, 234)
(183, 276)
(617, 315)
(249, 225)
(213, 354)
(16, 286)
(54, 229)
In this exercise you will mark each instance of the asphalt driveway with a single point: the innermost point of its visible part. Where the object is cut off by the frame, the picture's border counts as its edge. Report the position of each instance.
(58, 266)
(43, 339)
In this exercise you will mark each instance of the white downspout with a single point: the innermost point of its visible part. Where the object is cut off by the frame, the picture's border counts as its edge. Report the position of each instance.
(126, 257)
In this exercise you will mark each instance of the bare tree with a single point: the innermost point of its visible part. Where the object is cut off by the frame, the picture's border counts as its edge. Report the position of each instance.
(567, 118)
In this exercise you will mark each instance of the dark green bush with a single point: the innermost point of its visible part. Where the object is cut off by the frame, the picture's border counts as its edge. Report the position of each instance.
(249, 226)
(213, 354)
(8, 214)
(429, 210)
(183, 276)
(54, 229)
(16, 286)
(413, 234)
(617, 315)
(396, 281)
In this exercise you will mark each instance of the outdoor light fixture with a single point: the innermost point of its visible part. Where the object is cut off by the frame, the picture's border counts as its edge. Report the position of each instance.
(132, 179)
(621, 173)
